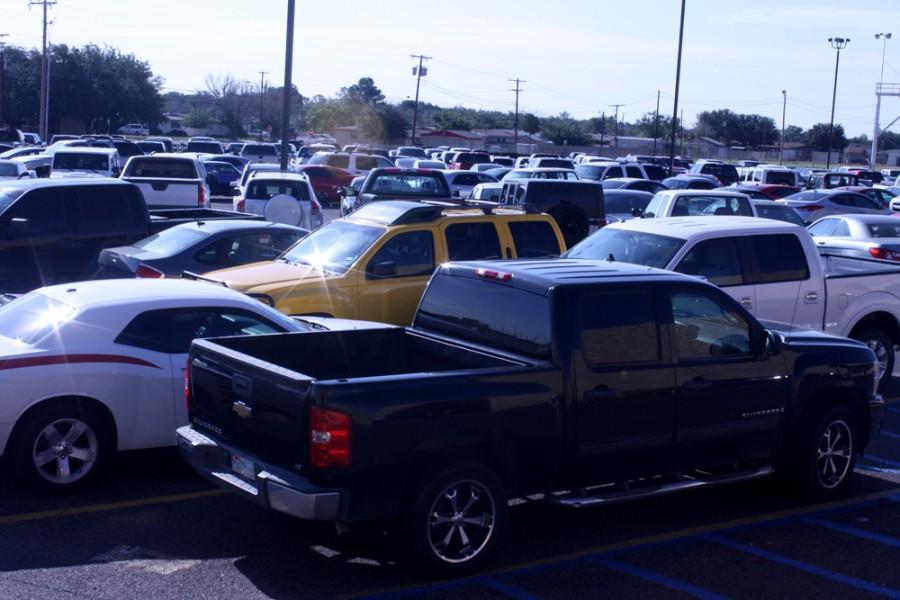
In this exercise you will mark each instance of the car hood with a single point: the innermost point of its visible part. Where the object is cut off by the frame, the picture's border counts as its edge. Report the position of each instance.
(268, 273)
(798, 336)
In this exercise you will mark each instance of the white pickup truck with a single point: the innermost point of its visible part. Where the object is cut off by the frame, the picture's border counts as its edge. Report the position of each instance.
(169, 180)
(772, 268)
(698, 203)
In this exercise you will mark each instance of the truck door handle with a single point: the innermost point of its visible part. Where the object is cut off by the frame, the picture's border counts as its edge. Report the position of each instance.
(746, 302)
(811, 297)
(697, 384)
(601, 392)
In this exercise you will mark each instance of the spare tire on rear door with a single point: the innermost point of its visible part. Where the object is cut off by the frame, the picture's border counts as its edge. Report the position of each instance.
(283, 208)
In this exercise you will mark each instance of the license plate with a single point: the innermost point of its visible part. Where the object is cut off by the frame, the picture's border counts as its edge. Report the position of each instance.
(243, 467)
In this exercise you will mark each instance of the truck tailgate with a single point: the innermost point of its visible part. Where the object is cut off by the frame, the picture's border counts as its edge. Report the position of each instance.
(251, 404)
(168, 193)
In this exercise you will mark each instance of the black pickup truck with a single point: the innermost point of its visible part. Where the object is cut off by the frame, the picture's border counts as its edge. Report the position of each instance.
(52, 230)
(590, 382)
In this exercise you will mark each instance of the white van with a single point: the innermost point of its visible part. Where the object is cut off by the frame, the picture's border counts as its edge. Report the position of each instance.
(770, 175)
(85, 162)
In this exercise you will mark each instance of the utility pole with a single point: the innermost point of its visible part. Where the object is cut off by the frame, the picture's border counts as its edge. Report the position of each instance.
(262, 86)
(602, 127)
(838, 44)
(286, 101)
(656, 125)
(419, 73)
(783, 111)
(878, 88)
(44, 118)
(616, 129)
(517, 89)
(2, 77)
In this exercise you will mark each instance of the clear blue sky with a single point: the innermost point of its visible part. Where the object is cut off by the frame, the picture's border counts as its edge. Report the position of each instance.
(576, 55)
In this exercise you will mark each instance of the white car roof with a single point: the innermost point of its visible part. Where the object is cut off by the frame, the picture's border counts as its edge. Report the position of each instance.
(686, 228)
(147, 293)
(87, 150)
(707, 193)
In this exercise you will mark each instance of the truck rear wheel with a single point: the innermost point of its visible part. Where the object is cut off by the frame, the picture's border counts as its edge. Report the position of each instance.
(457, 518)
(883, 347)
(827, 453)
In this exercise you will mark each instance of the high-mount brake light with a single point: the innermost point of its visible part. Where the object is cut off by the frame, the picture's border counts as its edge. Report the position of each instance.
(491, 274)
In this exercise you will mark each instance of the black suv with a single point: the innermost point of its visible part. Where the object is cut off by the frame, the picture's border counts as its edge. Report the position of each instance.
(575, 205)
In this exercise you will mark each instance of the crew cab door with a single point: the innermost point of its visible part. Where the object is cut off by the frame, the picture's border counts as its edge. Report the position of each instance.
(624, 407)
(394, 277)
(721, 262)
(784, 289)
(730, 402)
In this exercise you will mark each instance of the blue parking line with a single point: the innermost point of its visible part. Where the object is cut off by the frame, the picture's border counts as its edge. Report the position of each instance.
(860, 584)
(507, 589)
(855, 532)
(657, 578)
(881, 461)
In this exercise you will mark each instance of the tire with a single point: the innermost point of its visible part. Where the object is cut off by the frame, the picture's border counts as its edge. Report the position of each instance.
(883, 347)
(572, 223)
(827, 453)
(82, 449)
(458, 543)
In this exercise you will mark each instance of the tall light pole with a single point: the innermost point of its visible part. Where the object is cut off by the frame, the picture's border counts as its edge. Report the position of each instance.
(884, 37)
(838, 44)
(783, 111)
(677, 85)
(288, 88)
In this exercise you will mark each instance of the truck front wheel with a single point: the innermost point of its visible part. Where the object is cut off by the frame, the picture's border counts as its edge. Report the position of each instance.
(828, 452)
(457, 518)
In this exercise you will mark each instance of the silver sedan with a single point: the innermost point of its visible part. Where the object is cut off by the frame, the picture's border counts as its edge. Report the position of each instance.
(815, 204)
(861, 236)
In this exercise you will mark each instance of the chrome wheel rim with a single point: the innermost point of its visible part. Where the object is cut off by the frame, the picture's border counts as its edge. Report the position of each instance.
(881, 355)
(461, 521)
(834, 454)
(65, 451)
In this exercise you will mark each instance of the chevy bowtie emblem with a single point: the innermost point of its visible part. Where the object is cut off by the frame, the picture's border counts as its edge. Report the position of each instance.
(243, 410)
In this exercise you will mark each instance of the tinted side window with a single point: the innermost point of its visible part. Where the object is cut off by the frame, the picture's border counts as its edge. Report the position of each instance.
(173, 330)
(338, 161)
(472, 241)
(410, 253)
(633, 172)
(613, 172)
(780, 258)
(466, 179)
(365, 163)
(619, 328)
(704, 328)
(716, 260)
(46, 211)
(534, 239)
(107, 209)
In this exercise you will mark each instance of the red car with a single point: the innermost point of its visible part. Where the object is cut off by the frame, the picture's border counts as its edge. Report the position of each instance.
(769, 190)
(328, 181)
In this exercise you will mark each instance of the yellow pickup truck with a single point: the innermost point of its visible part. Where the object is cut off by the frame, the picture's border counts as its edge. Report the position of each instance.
(374, 264)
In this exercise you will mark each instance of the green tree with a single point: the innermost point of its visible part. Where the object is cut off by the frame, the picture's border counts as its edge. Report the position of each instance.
(530, 123)
(817, 137)
(363, 92)
(325, 115)
(197, 117)
(454, 118)
(793, 133)
(565, 130)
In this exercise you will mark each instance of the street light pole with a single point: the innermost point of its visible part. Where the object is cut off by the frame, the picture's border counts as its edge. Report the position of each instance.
(838, 44)
(262, 85)
(288, 88)
(875, 131)
(677, 84)
(783, 111)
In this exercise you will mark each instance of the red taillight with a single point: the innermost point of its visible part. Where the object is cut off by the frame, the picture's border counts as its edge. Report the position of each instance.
(239, 204)
(490, 274)
(187, 385)
(201, 195)
(329, 438)
(316, 207)
(884, 254)
(809, 207)
(148, 272)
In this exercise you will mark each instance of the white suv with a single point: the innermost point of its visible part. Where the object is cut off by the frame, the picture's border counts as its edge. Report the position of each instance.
(281, 197)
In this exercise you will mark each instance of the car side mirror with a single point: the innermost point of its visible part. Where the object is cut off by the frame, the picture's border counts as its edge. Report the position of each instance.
(456, 193)
(18, 227)
(348, 192)
(767, 344)
(637, 211)
(386, 268)
(26, 175)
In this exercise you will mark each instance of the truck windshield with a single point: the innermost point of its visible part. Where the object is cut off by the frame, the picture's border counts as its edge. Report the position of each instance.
(634, 247)
(163, 168)
(80, 162)
(335, 247)
(409, 184)
(503, 316)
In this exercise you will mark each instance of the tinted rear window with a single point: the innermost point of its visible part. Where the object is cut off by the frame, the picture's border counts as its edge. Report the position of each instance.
(618, 203)
(478, 311)
(534, 239)
(259, 150)
(206, 147)
(164, 168)
(780, 258)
